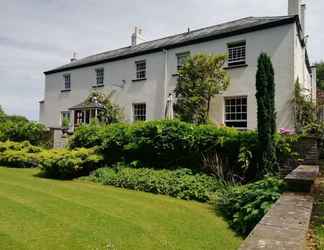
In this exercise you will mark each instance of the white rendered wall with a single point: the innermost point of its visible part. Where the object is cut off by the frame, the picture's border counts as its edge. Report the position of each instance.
(277, 42)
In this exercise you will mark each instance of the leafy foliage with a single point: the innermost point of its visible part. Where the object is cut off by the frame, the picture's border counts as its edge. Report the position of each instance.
(182, 183)
(18, 155)
(112, 112)
(200, 78)
(266, 116)
(19, 129)
(320, 75)
(244, 206)
(68, 164)
(174, 144)
(305, 110)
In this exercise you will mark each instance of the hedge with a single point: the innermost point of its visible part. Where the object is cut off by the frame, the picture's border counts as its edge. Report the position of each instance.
(172, 144)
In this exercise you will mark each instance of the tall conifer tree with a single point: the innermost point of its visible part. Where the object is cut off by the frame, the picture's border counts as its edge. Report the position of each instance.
(265, 94)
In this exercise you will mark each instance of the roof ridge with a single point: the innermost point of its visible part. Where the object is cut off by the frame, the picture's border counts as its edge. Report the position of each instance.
(180, 39)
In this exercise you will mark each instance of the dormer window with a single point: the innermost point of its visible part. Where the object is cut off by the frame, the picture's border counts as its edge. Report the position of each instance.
(67, 82)
(237, 53)
(100, 76)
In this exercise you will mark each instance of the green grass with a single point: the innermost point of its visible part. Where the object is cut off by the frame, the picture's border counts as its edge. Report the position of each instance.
(37, 213)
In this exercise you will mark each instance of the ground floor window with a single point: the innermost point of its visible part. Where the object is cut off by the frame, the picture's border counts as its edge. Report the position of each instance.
(139, 111)
(236, 111)
(65, 118)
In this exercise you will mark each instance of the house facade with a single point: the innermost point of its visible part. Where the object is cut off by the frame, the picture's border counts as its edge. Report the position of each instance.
(141, 77)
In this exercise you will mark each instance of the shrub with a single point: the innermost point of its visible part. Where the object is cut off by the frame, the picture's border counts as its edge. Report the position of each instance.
(19, 130)
(18, 155)
(174, 144)
(67, 164)
(244, 206)
(182, 183)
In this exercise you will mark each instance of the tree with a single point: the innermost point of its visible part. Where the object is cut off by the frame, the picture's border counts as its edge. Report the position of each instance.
(112, 113)
(2, 113)
(200, 79)
(320, 75)
(265, 95)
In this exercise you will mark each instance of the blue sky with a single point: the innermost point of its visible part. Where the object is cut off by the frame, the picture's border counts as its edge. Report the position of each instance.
(37, 35)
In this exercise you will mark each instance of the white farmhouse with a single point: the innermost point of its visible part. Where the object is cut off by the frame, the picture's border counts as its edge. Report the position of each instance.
(142, 76)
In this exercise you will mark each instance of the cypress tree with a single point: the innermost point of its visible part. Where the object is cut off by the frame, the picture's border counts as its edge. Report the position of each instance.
(265, 95)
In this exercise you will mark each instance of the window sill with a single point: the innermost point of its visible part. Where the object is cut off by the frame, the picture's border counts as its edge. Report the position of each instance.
(139, 80)
(98, 86)
(65, 90)
(236, 66)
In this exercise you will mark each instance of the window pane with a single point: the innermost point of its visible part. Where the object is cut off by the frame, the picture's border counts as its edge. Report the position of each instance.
(140, 69)
(236, 111)
(139, 112)
(237, 53)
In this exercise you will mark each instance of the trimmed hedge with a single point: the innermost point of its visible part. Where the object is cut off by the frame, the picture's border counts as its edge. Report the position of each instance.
(68, 164)
(170, 144)
(18, 155)
(182, 183)
(244, 206)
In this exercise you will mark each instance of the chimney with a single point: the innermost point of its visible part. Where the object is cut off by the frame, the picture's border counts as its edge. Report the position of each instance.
(303, 17)
(137, 36)
(73, 59)
(294, 7)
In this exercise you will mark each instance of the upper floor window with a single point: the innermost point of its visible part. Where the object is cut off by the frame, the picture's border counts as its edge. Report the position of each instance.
(67, 81)
(237, 53)
(100, 76)
(140, 70)
(181, 59)
(139, 112)
(236, 112)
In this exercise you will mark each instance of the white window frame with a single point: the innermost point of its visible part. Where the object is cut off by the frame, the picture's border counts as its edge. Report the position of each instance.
(238, 111)
(236, 53)
(140, 70)
(67, 81)
(100, 76)
(137, 116)
(181, 58)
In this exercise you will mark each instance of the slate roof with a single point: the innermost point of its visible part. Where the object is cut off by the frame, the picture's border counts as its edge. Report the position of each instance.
(87, 105)
(236, 27)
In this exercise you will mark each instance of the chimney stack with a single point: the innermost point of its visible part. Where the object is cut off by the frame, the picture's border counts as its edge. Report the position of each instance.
(137, 36)
(303, 17)
(73, 59)
(294, 7)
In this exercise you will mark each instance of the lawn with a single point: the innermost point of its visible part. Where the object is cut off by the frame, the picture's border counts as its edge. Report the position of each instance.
(38, 213)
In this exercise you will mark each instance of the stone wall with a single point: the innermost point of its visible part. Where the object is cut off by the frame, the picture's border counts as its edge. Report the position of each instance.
(286, 224)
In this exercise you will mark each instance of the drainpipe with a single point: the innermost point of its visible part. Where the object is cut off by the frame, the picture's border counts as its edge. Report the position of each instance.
(165, 89)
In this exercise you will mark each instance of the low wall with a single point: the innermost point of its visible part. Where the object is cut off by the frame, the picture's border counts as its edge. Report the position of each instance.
(286, 224)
